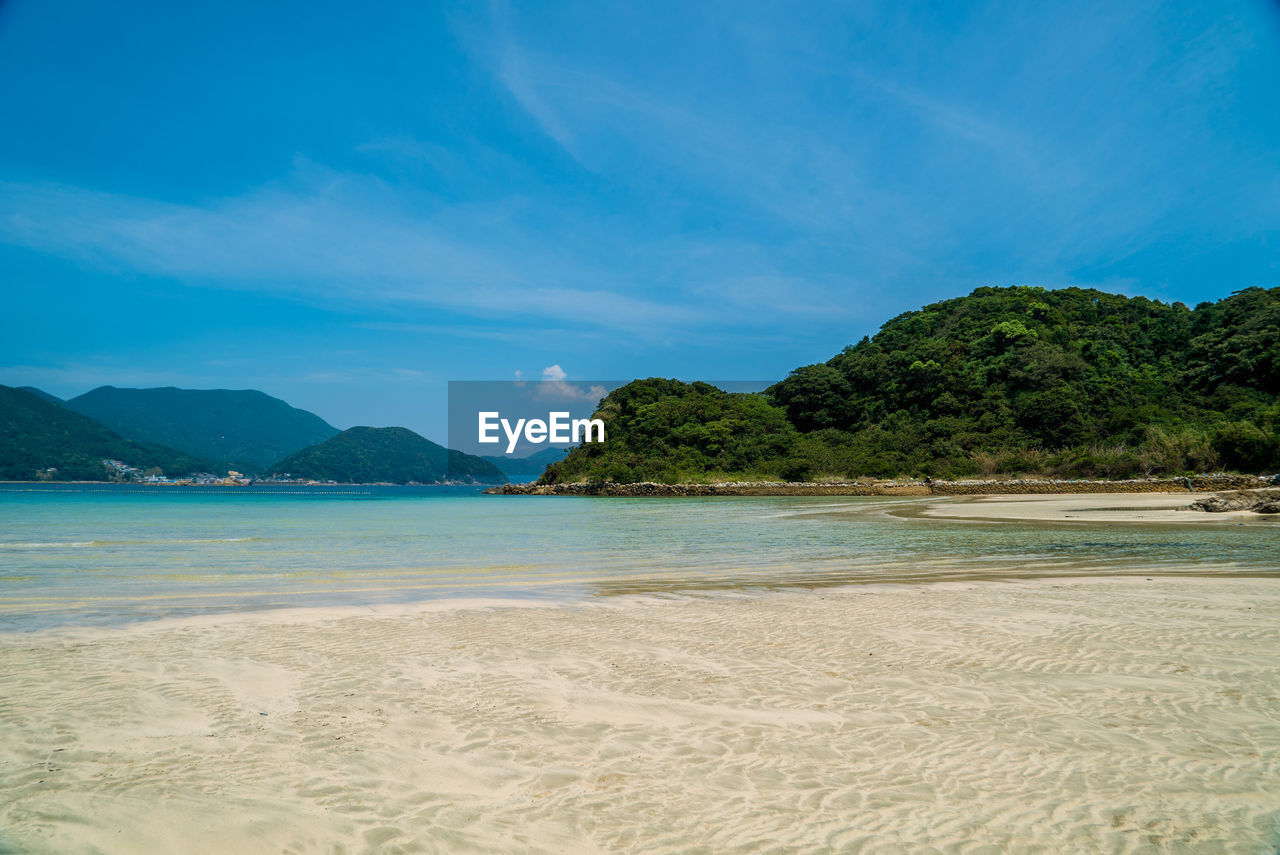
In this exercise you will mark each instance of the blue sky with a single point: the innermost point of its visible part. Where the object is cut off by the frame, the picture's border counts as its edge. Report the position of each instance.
(349, 209)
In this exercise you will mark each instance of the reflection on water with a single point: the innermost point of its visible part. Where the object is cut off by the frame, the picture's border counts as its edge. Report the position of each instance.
(101, 555)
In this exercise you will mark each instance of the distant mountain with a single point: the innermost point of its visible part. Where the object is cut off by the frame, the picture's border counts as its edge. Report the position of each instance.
(395, 455)
(40, 393)
(37, 435)
(526, 468)
(248, 429)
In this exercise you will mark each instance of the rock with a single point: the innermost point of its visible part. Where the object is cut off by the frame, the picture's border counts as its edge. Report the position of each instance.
(1224, 502)
(1259, 501)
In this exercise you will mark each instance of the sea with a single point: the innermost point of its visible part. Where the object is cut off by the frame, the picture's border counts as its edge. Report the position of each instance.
(94, 555)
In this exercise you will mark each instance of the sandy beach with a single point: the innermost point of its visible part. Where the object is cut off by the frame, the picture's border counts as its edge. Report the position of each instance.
(1107, 715)
(1163, 508)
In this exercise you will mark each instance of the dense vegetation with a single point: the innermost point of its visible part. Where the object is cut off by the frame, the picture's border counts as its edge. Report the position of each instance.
(1070, 382)
(40, 393)
(394, 455)
(37, 435)
(666, 430)
(248, 429)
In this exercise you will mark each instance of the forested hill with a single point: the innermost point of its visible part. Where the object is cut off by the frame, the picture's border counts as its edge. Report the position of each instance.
(247, 428)
(394, 455)
(43, 440)
(1069, 382)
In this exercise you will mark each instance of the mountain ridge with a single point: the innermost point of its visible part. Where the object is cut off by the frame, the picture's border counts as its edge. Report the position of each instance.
(37, 435)
(247, 428)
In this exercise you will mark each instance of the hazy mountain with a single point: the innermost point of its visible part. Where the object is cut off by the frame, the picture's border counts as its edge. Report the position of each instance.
(395, 455)
(248, 429)
(526, 468)
(37, 434)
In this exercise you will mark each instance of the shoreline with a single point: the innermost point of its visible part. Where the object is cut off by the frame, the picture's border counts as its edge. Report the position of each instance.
(992, 487)
(250, 486)
(883, 487)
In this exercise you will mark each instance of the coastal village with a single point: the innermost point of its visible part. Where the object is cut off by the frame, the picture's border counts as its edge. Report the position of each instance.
(121, 471)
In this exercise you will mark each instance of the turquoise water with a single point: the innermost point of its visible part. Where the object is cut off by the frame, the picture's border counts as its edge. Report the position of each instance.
(72, 555)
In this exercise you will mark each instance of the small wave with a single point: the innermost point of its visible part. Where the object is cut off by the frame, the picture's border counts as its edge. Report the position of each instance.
(218, 540)
(80, 544)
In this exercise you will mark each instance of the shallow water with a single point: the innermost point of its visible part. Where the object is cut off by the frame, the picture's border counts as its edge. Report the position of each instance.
(92, 555)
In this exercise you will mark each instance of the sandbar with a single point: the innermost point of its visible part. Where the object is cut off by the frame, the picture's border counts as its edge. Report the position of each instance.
(1163, 508)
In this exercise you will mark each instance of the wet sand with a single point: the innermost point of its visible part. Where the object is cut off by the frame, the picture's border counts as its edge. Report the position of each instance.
(1086, 508)
(1051, 716)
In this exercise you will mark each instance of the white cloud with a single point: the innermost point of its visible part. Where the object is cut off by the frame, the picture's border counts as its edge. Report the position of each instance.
(555, 386)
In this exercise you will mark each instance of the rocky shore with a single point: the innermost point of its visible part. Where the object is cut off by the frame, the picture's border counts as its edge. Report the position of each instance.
(1258, 501)
(1198, 483)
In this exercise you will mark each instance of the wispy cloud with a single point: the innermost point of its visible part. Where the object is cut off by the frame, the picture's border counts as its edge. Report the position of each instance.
(961, 122)
(341, 238)
(790, 174)
(514, 71)
(491, 332)
(935, 156)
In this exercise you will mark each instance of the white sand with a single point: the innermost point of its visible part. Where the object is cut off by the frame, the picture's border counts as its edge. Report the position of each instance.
(1089, 507)
(1114, 715)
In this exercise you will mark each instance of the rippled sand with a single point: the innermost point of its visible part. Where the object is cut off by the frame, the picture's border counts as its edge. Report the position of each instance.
(1117, 715)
